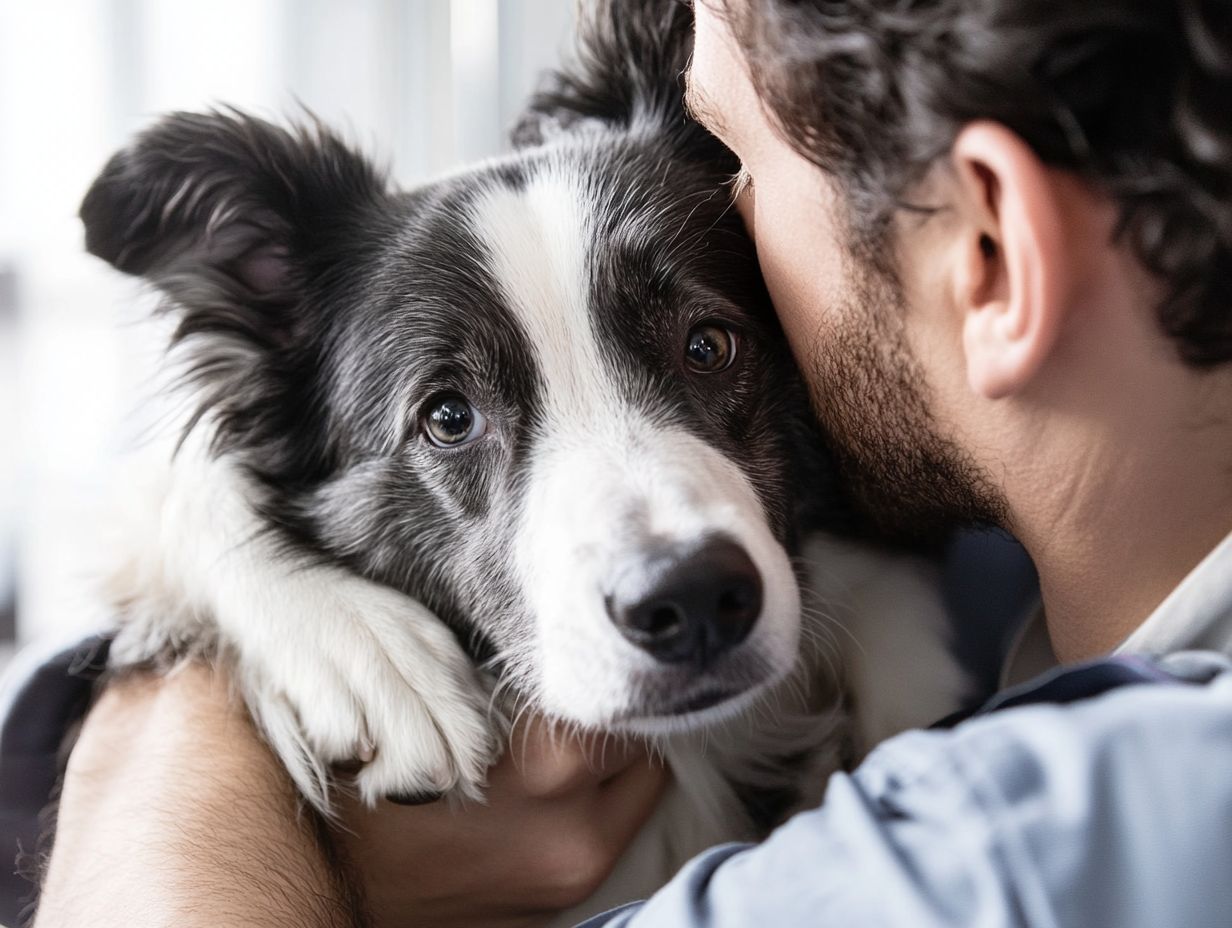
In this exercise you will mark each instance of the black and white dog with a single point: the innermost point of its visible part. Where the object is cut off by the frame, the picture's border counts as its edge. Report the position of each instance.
(527, 436)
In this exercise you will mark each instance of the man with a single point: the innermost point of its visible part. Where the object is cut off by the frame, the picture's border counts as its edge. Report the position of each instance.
(999, 234)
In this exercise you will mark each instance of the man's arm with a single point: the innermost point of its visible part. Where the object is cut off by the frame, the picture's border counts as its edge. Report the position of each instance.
(1113, 811)
(175, 813)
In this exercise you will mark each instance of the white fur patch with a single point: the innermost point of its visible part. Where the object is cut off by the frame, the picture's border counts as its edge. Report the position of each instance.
(606, 480)
(886, 620)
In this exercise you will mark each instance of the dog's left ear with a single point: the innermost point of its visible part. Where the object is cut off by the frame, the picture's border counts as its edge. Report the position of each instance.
(225, 206)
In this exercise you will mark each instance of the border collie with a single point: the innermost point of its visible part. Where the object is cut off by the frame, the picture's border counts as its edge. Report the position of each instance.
(526, 436)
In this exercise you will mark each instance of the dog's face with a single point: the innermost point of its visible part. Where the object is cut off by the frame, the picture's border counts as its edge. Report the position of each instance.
(548, 397)
(573, 429)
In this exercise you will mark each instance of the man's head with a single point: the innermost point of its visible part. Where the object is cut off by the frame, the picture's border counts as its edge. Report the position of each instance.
(986, 224)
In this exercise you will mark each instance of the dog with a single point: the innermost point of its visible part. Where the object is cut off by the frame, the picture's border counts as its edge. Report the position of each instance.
(527, 436)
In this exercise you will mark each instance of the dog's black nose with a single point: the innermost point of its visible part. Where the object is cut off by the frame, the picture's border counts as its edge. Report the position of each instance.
(697, 607)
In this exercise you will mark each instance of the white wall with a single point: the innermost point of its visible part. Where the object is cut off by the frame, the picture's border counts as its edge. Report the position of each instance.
(425, 84)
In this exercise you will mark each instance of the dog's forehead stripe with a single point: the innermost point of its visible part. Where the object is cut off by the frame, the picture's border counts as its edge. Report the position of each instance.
(540, 239)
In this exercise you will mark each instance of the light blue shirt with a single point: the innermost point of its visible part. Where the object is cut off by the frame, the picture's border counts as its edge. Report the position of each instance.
(1114, 810)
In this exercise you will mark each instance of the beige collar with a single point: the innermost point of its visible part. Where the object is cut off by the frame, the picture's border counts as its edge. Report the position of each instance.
(1197, 615)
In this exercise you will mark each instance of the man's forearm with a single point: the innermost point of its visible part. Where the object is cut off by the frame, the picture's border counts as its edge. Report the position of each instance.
(174, 813)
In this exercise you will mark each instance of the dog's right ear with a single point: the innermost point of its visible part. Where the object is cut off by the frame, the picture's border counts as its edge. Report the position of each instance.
(223, 201)
(628, 61)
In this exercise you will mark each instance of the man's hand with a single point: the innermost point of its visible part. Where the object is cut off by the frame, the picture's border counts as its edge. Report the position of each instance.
(175, 813)
(558, 814)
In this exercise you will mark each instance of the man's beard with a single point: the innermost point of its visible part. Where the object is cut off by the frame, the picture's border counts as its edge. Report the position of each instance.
(871, 395)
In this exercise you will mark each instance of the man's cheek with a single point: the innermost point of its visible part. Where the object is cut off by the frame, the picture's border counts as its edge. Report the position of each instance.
(795, 264)
(802, 259)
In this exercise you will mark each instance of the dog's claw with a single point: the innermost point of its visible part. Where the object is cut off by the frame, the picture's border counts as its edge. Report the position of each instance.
(415, 799)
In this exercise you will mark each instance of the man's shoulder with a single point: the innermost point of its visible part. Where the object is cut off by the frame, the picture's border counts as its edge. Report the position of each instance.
(1096, 795)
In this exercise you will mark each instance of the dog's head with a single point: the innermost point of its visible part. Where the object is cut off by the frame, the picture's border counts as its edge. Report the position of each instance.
(547, 396)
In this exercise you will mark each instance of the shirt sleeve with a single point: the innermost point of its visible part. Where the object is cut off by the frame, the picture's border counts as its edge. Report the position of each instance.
(44, 692)
(1110, 811)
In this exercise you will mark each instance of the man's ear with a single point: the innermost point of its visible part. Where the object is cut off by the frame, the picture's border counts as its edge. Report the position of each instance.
(225, 206)
(1014, 275)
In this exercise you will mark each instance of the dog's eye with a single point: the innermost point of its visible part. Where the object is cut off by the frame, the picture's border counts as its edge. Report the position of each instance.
(452, 421)
(711, 348)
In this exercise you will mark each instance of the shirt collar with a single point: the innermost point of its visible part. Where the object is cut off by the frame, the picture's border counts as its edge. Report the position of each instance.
(1196, 616)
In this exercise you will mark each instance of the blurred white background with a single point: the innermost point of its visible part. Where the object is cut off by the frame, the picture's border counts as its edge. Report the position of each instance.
(422, 84)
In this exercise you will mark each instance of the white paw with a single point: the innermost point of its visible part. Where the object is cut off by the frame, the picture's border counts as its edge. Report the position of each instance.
(333, 667)
(363, 672)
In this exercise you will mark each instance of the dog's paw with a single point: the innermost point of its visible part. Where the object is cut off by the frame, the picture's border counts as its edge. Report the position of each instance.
(334, 668)
(374, 676)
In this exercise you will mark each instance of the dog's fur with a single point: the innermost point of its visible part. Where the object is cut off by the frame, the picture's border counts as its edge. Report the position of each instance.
(378, 597)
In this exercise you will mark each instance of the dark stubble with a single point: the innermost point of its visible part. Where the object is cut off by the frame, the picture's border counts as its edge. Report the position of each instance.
(871, 395)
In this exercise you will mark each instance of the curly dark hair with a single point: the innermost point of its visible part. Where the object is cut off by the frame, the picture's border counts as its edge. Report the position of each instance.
(1135, 96)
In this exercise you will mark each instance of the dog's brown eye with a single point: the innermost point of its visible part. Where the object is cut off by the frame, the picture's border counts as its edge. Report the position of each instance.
(452, 421)
(711, 348)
